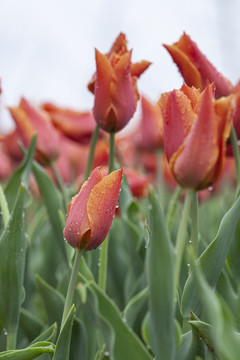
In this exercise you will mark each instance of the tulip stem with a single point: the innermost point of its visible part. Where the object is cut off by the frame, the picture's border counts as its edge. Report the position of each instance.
(234, 142)
(194, 224)
(91, 153)
(103, 256)
(180, 242)
(71, 287)
(172, 207)
(160, 182)
(111, 153)
(103, 260)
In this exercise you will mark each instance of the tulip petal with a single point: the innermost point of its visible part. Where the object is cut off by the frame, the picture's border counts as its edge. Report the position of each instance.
(151, 127)
(191, 167)
(190, 60)
(178, 118)
(76, 125)
(138, 68)
(101, 207)
(77, 229)
(123, 97)
(102, 89)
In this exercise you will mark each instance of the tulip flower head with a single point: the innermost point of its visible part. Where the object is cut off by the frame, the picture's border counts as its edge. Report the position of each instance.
(91, 211)
(150, 136)
(195, 68)
(196, 127)
(31, 121)
(114, 86)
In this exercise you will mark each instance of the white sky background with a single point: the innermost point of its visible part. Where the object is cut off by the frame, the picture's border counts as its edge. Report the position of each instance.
(47, 46)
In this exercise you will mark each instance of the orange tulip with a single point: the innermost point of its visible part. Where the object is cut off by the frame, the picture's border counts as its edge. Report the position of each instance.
(114, 86)
(150, 134)
(196, 127)
(31, 121)
(91, 211)
(76, 125)
(195, 68)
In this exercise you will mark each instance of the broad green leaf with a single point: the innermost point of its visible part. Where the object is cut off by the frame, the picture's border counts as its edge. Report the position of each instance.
(127, 345)
(160, 275)
(4, 207)
(190, 347)
(134, 306)
(48, 335)
(53, 203)
(64, 339)
(12, 264)
(31, 352)
(21, 175)
(53, 301)
(225, 339)
(212, 260)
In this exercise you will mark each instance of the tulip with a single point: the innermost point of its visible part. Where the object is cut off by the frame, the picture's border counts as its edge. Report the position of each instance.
(31, 121)
(151, 126)
(76, 125)
(195, 68)
(114, 86)
(196, 127)
(91, 211)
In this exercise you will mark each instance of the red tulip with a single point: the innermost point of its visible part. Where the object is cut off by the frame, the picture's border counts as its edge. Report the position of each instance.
(195, 68)
(91, 211)
(114, 86)
(31, 121)
(196, 127)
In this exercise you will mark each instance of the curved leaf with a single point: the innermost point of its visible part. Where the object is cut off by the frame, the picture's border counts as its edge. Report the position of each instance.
(212, 260)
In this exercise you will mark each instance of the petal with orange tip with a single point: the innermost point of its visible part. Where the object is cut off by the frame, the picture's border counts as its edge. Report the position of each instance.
(187, 69)
(102, 90)
(101, 207)
(138, 68)
(190, 61)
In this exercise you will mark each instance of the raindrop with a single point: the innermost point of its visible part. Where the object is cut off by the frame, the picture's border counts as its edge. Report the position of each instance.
(5, 332)
(124, 320)
(188, 265)
(210, 188)
(106, 353)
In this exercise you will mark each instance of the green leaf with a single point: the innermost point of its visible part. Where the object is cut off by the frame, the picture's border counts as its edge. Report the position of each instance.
(31, 352)
(53, 203)
(53, 301)
(12, 264)
(126, 345)
(212, 260)
(64, 339)
(225, 338)
(134, 306)
(160, 275)
(4, 207)
(48, 335)
(21, 175)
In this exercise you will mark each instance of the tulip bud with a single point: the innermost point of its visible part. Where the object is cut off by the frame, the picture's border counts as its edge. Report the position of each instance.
(91, 211)
(114, 86)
